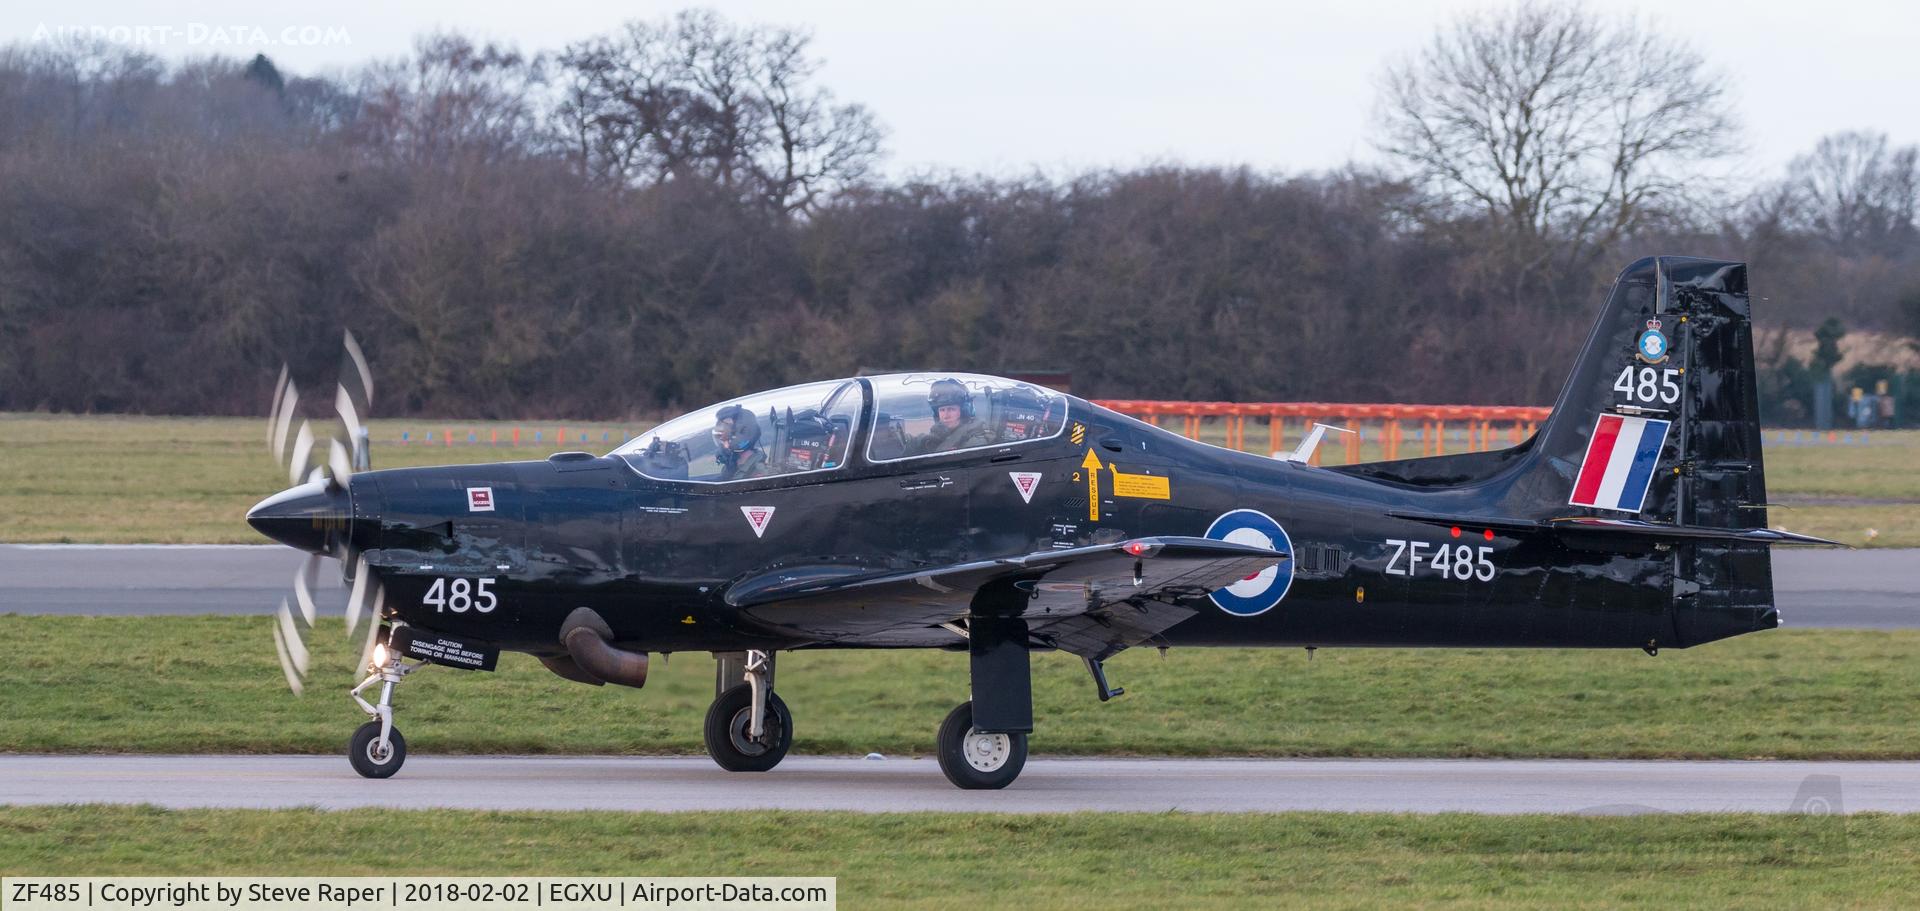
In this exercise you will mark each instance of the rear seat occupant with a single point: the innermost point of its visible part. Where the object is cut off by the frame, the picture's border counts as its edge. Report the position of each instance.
(954, 424)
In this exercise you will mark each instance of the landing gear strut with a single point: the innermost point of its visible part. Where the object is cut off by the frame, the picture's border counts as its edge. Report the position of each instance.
(377, 750)
(748, 726)
(983, 742)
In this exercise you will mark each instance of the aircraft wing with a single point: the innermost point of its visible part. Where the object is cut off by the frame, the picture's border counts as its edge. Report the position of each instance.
(1091, 601)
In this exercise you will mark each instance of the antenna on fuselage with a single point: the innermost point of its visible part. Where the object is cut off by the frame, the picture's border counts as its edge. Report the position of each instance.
(1305, 450)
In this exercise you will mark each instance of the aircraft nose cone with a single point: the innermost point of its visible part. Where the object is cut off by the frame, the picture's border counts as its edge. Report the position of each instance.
(310, 517)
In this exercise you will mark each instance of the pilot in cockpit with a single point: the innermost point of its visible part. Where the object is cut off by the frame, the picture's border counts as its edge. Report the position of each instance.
(736, 438)
(954, 424)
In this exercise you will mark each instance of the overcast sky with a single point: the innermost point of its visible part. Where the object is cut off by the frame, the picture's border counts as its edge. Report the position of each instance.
(1007, 87)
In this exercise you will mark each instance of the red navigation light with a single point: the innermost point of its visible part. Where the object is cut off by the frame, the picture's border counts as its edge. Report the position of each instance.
(1136, 548)
(1489, 534)
(1456, 531)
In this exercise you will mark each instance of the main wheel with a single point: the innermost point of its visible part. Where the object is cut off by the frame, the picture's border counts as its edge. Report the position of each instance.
(726, 732)
(976, 761)
(367, 756)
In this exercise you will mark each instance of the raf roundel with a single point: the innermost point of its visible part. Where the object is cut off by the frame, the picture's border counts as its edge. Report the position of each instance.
(1258, 593)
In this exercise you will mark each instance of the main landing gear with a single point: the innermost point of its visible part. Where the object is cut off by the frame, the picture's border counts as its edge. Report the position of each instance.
(748, 726)
(377, 750)
(983, 742)
(978, 761)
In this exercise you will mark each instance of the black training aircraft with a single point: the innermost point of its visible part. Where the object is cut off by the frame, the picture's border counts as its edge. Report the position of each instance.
(994, 517)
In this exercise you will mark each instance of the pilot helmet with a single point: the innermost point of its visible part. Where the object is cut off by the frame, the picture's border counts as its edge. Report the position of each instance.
(949, 392)
(746, 429)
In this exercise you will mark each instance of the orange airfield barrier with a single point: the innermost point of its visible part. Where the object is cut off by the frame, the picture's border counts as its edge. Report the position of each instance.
(1476, 428)
(1396, 431)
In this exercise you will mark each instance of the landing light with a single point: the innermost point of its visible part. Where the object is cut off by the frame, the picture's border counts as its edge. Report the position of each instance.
(380, 655)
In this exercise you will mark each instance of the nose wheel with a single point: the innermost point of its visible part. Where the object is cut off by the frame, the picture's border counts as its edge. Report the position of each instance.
(373, 757)
(976, 760)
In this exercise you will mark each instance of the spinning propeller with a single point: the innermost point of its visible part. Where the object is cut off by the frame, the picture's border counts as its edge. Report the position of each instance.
(316, 514)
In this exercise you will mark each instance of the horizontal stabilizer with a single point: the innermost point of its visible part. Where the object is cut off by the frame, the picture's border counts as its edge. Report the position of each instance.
(1589, 524)
(1663, 530)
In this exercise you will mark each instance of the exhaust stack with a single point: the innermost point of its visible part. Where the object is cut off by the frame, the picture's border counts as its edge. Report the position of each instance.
(589, 642)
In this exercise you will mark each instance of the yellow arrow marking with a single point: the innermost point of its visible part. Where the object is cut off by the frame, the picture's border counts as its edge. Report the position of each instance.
(1141, 486)
(1092, 465)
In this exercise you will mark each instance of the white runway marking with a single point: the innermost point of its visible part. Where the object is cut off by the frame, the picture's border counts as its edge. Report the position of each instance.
(911, 785)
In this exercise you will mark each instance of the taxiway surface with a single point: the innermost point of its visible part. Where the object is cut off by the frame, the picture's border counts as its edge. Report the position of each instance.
(1859, 589)
(1598, 787)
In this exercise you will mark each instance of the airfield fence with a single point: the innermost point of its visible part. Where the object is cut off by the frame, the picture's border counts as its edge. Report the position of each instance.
(1374, 431)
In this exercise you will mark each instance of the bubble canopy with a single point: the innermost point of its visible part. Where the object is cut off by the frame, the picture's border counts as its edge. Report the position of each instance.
(981, 411)
(810, 427)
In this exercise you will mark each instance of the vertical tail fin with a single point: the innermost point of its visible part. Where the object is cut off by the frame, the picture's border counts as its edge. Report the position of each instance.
(1660, 417)
(1652, 450)
(1660, 421)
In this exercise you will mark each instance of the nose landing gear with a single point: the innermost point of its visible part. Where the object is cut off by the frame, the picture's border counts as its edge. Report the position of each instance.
(377, 749)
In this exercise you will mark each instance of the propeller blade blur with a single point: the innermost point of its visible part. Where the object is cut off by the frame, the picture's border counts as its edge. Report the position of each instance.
(275, 434)
(302, 451)
(292, 650)
(339, 463)
(284, 407)
(356, 601)
(373, 628)
(354, 375)
(315, 513)
(353, 399)
(303, 586)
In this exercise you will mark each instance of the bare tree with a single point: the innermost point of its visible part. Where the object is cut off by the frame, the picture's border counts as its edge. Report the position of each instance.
(451, 97)
(698, 97)
(1566, 131)
(1855, 193)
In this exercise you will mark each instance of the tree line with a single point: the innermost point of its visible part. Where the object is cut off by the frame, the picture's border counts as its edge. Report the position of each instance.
(678, 212)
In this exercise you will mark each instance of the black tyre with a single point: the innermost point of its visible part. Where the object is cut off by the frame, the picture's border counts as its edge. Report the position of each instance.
(369, 759)
(726, 732)
(975, 761)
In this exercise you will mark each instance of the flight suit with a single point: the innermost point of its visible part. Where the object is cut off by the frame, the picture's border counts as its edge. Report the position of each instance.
(970, 432)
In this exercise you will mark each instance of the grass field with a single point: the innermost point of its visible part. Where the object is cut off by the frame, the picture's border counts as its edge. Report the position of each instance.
(124, 480)
(212, 684)
(1116, 861)
(190, 480)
